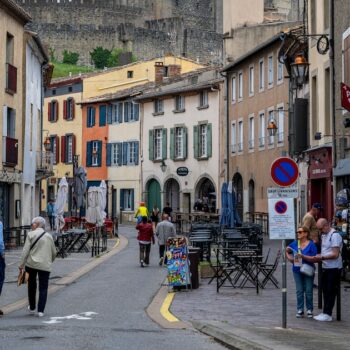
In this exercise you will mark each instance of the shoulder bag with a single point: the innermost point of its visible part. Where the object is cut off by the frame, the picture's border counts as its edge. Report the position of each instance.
(23, 276)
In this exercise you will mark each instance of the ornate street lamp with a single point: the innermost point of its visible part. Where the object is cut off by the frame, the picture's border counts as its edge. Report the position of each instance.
(163, 166)
(47, 144)
(272, 127)
(300, 69)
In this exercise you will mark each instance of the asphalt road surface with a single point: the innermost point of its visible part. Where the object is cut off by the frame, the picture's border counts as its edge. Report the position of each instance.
(105, 309)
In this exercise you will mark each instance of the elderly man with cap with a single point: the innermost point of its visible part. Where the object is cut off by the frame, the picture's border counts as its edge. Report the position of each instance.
(309, 221)
(141, 212)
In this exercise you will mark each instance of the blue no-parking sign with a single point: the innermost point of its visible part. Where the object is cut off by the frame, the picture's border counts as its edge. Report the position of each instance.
(284, 171)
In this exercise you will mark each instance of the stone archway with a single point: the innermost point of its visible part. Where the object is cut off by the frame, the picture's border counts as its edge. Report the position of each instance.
(237, 182)
(205, 191)
(153, 195)
(172, 194)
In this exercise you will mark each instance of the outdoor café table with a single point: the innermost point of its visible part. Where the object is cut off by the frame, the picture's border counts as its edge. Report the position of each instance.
(203, 241)
(240, 262)
(77, 237)
(62, 243)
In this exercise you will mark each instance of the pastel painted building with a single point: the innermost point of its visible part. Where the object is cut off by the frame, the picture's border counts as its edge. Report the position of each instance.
(180, 142)
(62, 125)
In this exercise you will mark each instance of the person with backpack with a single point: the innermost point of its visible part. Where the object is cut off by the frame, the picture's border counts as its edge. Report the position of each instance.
(145, 237)
(332, 263)
(38, 254)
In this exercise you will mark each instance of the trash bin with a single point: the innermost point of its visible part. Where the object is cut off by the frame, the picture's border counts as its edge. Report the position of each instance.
(194, 257)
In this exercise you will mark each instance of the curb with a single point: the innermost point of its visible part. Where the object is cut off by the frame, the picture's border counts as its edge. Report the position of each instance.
(230, 340)
(158, 311)
(73, 276)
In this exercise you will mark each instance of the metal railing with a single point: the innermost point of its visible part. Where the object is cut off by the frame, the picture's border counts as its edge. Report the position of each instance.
(233, 148)
(251, 144)
(9, 151)
(44, 161)
(240, 147)
(261, 141)
(11, 78)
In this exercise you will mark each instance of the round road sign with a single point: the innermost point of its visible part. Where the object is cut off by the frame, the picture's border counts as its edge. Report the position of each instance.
(281, 207)
(284, 171)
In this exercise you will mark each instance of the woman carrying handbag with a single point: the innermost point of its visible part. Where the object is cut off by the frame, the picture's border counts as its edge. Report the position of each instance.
(39, 252)
(303, 271)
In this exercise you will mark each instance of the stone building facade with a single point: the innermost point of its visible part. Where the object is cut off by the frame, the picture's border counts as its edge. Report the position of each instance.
(147, 28)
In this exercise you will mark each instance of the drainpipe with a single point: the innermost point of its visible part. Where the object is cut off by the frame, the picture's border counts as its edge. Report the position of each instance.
(225, 75)
(332, 79)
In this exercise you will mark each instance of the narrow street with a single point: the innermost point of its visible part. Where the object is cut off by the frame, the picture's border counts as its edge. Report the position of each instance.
(109, 306)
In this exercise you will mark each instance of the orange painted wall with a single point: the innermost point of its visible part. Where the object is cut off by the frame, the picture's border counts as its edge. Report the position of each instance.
(94, 134)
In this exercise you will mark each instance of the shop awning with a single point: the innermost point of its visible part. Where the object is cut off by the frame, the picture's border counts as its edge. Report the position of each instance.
(342, 168)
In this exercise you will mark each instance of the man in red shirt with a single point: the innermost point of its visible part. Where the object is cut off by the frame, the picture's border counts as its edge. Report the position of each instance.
(145, 237)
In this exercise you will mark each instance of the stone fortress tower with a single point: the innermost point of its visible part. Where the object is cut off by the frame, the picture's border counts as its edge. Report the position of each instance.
(148, 28)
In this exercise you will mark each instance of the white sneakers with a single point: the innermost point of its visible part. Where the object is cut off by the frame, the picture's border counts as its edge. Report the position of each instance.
(32, 312)
(323, 318)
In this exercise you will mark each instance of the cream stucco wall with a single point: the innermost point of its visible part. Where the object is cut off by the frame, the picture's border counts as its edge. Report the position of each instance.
(198, 169)
(116, 79)
(320, 118)
(125, 176)
(60, 128)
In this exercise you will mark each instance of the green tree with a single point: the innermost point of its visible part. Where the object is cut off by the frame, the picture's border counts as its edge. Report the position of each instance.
(100, 57)
(70, 57)
(113, 60)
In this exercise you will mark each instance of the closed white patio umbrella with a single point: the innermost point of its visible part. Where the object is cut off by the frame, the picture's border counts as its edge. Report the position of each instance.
(103, 188)
(61, 201)
(94, 212)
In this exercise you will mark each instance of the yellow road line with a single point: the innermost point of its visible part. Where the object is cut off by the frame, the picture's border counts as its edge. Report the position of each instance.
(116, 245)
(164, 310)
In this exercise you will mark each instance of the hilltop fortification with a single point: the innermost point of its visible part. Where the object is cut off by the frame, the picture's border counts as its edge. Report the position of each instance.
(148, 28)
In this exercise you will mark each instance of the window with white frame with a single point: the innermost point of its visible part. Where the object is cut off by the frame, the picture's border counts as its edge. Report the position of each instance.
(203, 98)
(280, 124)
(270, 70)
(240, 86)
(279, 71)
(203, 150)
(271, 137)
(251, 81)
(158, 106)
(69, 146)
(131, 152)
(179, 103)
(53, 143)
(116, 154)
(262, 129)
(128, 199)
(251, 132)
(179, 135)
(233, 138)
(94, 156)
(240, 136)
(158, 144)
(261, 75)
(233, 87)
(117, 112)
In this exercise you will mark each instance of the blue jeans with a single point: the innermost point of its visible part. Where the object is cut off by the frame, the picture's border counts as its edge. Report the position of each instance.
(2, 272)
(304, 286)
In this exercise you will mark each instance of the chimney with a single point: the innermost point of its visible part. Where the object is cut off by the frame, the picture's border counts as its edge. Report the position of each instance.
(174, 70)
(159, 72)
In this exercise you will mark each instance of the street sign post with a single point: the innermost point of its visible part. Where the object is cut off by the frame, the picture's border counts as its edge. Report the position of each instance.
(284, 171)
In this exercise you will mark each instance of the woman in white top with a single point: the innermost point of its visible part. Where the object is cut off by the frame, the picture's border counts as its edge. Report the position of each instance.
(39, 252)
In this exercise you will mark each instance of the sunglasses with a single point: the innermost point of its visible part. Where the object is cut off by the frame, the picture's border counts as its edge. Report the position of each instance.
(300, 231)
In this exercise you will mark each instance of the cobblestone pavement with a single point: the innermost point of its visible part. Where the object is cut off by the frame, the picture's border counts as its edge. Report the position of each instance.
(243, 307)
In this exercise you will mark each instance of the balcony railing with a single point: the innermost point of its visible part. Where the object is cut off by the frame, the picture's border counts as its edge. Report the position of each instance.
(44, 164)
(251, 144)
(240, 147)
(233, 148)
(11, 78)
(261, 141)
(9, 151)
(280, 137)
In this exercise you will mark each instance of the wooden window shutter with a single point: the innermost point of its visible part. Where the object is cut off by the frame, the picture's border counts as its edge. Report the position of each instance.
(99, 153)
(65, 103)
(73, 145)
(172, 143)
(120, 151)
(164, 143)
(125, 153)
(49, 111)
(196, 141)
(136, 153)
(209, 140)
(121, 199)
(73, 107)
(63, 149)
(102, 111)
(151, 144)
(56, 111)
(184, 142)
(88, 153)
(109, 154)
(57, 141)
(109, 114)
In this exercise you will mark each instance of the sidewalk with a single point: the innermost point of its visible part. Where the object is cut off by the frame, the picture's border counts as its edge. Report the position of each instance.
(244, 315)
(60, 268)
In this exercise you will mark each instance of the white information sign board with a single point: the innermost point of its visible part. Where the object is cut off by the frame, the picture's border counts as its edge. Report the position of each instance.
(282, 192)
(281, 218)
